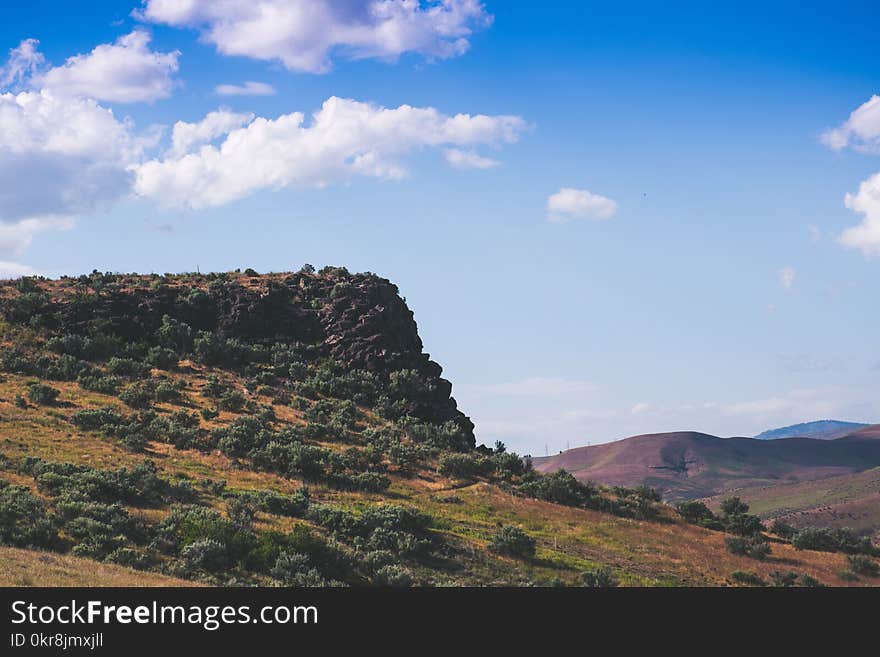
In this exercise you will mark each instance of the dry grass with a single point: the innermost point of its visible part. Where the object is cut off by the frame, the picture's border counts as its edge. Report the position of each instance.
(32, 568)
(570, 541)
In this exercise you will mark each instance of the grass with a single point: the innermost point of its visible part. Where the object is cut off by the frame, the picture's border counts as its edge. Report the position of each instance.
(33, 568)
(570, 541)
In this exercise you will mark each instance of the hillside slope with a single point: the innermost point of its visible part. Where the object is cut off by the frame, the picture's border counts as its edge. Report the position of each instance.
(695, 465)
(287, 429)
(32, 568)
(851, 500)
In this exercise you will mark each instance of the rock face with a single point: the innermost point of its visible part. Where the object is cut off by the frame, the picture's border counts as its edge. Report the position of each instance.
(358, 320)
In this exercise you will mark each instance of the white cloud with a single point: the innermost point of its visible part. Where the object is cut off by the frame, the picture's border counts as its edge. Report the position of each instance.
(186, 136)
(641, 407)
(23, 62)
(59, 157)
(467, 159)
(249, 88)
(17, 236)
(786, 277)
(866, 235)
(861, 130)
(306, 35)
(569, 203)
(815, 233)
(15, 270)
(345, 138)
(126, 71)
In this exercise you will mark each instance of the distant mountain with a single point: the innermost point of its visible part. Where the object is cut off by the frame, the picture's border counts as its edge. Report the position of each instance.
(687, 465)
(821, 429)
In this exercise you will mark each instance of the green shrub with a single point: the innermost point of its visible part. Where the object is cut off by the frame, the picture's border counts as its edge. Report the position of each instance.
(294, 569)
(105, 384)
(508, 465)
(393, 575)
(232, 401)
(205, 554)
(96, 418)
(39, 393)
(559, 488)
(601, 578)
(166, 391)
(293, 506)
(162, 358)
(782, 579)
(747, 578)
(754, 546)
(137, 395)
(209, 413)
(23, 519)
(863, 565)
(176, 335)
(832, 540)
(512, 541)
(128, 368)
(809, 582)
(465, 466)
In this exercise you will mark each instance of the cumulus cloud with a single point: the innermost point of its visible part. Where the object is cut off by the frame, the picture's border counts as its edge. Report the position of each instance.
(861, 130)
(466, 159)
(786, 277)
(345, 138)
(306, 35)
(187, 136)
(866, 235)
(59, 157)
(126, 71)
(569, 203)
(249, 88)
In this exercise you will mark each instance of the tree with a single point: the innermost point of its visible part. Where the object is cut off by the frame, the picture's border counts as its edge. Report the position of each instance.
(694, 512)
(733, 506)
(782, 529)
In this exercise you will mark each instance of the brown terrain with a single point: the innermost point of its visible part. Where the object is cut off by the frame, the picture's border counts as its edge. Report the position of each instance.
(688, 465)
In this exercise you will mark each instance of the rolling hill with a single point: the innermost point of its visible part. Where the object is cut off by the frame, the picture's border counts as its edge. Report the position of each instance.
(688, 465)
(851, 500)
(821, 429)
(289, 430)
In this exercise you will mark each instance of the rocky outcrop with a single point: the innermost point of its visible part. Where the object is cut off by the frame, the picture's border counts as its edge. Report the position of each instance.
(358, 320)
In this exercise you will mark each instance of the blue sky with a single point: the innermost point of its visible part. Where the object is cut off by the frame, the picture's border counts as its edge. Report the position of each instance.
(645, 228)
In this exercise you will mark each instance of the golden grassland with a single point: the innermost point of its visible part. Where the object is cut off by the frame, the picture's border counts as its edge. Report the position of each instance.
(34, 568)
(665, 552)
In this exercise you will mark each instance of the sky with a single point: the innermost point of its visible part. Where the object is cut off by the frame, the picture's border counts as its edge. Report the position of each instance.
(608, 220)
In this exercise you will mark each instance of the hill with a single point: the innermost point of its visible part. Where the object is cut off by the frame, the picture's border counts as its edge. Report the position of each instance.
(687, 465)
(288, 429)
(851, 500)
(821, 429)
